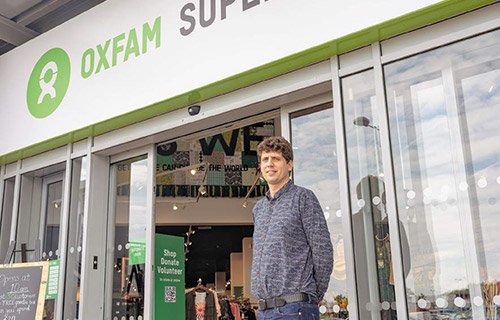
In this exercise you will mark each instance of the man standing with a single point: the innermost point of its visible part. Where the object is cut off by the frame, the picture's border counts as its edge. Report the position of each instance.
(292, 250)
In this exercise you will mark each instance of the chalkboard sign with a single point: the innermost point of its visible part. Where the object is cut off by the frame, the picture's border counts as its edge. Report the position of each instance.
(22, 290)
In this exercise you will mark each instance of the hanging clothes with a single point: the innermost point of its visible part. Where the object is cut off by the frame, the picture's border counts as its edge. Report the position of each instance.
(235, 309)
(248, 314)
(226, 313)
(199, 304)
(200, 311)
(217, 305)
(225, 309)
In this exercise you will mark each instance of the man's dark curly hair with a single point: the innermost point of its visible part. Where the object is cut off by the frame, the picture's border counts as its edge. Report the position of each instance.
(276, 144)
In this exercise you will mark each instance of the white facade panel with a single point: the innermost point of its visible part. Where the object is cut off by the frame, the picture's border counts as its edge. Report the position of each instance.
(230, 43)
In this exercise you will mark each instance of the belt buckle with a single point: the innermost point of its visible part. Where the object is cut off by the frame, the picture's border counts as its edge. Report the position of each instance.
(279, 302)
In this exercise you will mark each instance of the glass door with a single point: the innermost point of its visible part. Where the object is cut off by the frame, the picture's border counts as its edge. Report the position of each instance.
(52, 192)
(38, 236)
(312, 134)
(129, 215)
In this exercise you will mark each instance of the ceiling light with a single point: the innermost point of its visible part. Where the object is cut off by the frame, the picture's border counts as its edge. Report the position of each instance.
(175, 207)
(193, 171)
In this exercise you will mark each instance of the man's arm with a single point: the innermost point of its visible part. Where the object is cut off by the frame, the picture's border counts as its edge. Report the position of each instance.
(318, 237)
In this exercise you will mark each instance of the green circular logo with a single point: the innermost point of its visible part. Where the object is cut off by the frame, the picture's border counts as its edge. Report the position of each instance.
(48, 83)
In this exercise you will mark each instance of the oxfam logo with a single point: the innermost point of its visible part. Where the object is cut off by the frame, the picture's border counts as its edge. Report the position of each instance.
(48, 83)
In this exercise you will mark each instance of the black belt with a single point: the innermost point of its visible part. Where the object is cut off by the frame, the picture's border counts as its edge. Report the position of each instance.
(282, 300)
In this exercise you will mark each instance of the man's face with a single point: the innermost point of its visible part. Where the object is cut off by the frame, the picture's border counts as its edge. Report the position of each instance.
(274, 167)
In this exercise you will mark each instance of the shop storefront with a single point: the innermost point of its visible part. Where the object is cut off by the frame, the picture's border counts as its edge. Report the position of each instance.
(129, 169)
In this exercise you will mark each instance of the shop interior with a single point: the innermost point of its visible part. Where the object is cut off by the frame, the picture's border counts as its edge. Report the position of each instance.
(218, 262)
(206, 188)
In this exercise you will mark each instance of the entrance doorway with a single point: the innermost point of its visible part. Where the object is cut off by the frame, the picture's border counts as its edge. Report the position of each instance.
(206, 186)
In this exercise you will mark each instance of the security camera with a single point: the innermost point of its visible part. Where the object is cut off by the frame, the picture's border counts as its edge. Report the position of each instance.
(194, 110)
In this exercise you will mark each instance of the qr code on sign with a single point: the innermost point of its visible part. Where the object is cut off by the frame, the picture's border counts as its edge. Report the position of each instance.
(170, 294)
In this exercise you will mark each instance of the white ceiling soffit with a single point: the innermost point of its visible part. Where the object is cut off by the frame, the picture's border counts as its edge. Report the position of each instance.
(22, 20)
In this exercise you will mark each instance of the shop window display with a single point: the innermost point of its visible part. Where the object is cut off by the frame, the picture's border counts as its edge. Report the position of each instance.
(444, 132)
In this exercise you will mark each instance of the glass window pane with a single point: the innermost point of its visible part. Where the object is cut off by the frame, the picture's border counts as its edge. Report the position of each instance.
(75, 239)
(28, 220)
(39, 220)
(444, 134)
(53, 220)
(6, 217)
(316, 168)
(372, 247)
(130, 209)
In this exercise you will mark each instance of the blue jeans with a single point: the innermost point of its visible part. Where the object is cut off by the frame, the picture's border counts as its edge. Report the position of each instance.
(296, 310)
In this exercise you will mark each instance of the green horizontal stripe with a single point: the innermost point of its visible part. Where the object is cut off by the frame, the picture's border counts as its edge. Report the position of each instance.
(428, 15)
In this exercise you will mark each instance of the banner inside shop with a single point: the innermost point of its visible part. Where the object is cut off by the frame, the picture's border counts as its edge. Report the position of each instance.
(223, 165)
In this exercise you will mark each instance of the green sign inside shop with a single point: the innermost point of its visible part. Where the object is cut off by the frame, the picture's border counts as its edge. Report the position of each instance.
(169, 277)
(137, 252)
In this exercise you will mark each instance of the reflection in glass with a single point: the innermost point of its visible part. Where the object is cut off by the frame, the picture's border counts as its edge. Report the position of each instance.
(372, 250)
(6, 217)
(444, 134)
(129, 245)
(75, 239)
(316, 168)
(53, 220)
(50, 245)
(39, 220)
